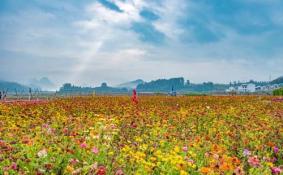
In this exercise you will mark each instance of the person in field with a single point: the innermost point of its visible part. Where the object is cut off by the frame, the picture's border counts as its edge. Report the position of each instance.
(134, 97)
(0, 95)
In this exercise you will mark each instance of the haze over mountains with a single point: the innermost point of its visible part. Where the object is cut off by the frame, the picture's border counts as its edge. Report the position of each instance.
(43, 83)
(131, 84)
(159, 85)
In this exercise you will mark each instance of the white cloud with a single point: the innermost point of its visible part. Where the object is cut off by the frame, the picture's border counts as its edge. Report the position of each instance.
(170, 12)
(98, 45)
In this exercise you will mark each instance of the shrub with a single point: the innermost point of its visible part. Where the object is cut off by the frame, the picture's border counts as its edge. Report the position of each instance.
(278, 92)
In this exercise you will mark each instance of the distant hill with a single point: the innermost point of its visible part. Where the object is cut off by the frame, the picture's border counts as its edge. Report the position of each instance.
(12, 86)
(278, 80)
(44, 84)
(131, 84)
(68, 88)
(162, 85)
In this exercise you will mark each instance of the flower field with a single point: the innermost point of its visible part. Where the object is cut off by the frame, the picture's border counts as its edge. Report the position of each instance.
(158, 135)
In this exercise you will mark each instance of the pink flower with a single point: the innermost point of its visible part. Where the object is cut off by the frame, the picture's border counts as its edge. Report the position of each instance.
(45, 125)
(14, 166)
(185, 148)
(83, 145)
(94, 150)
(74, 161)
(254, 161)
(276, 170)
(119, 172)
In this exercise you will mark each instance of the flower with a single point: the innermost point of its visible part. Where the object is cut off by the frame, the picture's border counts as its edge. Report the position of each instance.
(205, 170)
(275, 149)
(69, 169)
(185, 148)
(42, 153)
(182, 172)
(101, 170)
(94, 150)
(276, 170)
(254, 161)
(239, 171)
(83, 145)
(246, 152)
(119, 172)
(74, 161)
(14, 166)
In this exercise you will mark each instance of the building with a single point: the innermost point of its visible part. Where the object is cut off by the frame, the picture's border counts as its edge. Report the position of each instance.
(247, 88)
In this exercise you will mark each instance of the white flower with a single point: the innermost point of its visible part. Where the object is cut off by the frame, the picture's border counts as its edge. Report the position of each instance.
(42, 153)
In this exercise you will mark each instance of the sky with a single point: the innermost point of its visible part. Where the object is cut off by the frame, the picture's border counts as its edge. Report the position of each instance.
(88, 42)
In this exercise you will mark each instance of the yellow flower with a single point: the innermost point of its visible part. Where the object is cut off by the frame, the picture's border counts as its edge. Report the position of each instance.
(153, 159)
(69, 169)
(177, 149)
(138, 139)
(182, 172)
(269, 164)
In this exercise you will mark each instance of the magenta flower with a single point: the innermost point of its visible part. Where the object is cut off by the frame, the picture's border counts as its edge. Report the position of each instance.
(94, 150)
(14, 166)
(275, 149)
(276, 170)
(83, 145)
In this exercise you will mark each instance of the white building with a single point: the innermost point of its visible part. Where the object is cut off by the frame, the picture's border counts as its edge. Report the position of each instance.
(247, 88)
(251, 88)
(231, 89)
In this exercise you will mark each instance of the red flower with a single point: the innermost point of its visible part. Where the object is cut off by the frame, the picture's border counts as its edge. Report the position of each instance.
(101, 170)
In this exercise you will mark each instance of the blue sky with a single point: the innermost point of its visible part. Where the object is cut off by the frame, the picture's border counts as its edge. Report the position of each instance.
(90, 41)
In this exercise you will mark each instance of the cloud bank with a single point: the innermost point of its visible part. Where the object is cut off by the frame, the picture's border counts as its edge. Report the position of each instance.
(88, 42)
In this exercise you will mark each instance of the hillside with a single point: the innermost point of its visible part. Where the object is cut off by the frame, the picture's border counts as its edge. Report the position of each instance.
(12, 86)
(162, 85)
(278, 80)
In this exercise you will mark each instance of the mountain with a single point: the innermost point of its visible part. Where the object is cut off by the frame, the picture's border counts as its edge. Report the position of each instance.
(12, 87)
(43, 84)
(162, 85)
(277, 80)
(131, 84)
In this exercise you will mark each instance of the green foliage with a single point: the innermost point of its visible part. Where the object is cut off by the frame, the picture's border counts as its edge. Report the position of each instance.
(195, 94)
(278, 92)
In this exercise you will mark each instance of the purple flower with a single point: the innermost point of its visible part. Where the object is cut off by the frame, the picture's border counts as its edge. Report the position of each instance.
(246, 152)
(275, 149)
(274, 159)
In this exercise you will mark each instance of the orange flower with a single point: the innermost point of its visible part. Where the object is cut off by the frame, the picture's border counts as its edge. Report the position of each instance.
(225, 167)
(205, 170)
